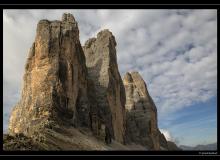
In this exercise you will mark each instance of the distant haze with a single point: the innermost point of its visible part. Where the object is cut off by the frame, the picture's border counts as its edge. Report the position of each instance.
(212, 146)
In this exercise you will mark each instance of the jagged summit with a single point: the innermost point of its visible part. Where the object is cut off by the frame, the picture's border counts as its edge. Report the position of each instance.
(104, 35)
(74, 98)
(136, 78)
(67, 17)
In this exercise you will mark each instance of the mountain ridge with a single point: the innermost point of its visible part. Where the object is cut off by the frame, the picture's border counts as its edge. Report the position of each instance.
(74, 98)
(211, 146)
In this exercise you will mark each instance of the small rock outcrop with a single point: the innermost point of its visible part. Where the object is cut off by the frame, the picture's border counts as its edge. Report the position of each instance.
(172, 146)
(55, 85)
(108, 89)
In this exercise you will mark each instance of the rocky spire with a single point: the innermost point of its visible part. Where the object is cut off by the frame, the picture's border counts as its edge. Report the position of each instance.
(55, 85)
(141, 113)
(101, 62)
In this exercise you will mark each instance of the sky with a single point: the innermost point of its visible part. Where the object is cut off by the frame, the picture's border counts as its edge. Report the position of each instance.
(174, 50)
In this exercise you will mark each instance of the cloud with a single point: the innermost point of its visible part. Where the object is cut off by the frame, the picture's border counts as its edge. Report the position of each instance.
(169, 136)
(174, 50)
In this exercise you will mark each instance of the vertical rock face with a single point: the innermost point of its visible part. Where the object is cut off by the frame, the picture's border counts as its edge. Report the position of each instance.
(108, 89)
(55, 85)
(141, 113)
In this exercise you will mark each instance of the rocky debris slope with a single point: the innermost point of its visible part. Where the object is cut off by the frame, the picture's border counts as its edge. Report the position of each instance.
(101, 61)
(63, 139)
(73, 97)
(19, 142)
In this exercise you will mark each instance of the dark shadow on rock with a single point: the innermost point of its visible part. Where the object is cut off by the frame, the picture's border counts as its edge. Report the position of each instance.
(100, 113)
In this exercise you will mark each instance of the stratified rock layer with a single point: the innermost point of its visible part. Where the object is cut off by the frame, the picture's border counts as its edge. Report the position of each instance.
(141, 113)
(55, 85)
(103, 73)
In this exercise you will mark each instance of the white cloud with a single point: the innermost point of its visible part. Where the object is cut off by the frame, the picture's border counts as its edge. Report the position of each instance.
(167, 134)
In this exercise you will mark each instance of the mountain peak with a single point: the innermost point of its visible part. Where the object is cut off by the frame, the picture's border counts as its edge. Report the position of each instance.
(67, 17)
(74, 98)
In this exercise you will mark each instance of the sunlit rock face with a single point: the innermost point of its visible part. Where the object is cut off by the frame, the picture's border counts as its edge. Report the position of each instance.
(101, 61)
(55, 85)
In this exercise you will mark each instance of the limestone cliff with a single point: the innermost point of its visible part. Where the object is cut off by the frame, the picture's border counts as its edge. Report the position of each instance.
(55, 85)
(101, 61)
(141, 113)
(73, 97)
